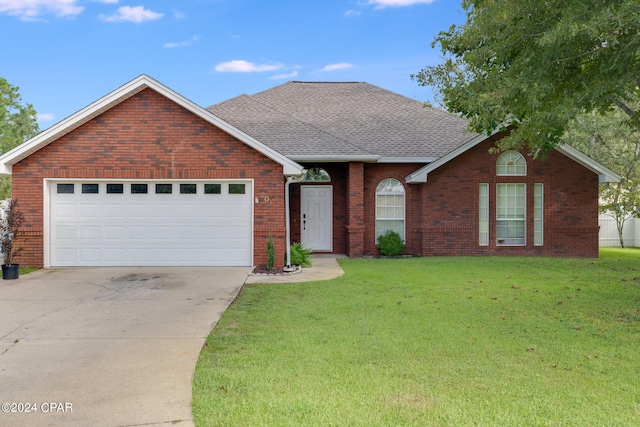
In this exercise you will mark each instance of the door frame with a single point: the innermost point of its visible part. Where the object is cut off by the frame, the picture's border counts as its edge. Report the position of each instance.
(330, 214)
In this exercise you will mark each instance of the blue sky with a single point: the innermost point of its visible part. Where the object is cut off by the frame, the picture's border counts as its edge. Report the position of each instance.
(65, 54)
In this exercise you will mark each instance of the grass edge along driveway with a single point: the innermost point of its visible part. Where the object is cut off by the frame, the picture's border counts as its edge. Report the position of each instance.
(444, 341)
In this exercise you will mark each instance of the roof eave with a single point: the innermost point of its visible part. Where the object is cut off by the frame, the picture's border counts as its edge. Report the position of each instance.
(604, 174)
(421, 174)
(328, 158)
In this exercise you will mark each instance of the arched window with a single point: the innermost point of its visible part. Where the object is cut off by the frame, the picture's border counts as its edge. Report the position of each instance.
(511, 163)
(390, 210)
(317, 175)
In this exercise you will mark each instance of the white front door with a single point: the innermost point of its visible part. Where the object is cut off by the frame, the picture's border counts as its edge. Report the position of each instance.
(316, 222)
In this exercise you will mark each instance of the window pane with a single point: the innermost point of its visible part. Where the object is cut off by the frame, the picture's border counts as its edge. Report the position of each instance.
(115, 188)
(390, 209)
(65, 188)
(90, 188)
(483, 214)
(511, 163)
(139, 188)
(317, 175)
(187, 188)
(164, 188)
(538, 214)
(212, 189)
(236, 188)
(510, 214)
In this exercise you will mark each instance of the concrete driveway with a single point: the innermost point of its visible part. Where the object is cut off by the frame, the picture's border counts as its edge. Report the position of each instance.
(107, 346)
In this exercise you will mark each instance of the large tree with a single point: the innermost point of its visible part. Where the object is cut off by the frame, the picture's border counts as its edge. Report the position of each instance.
(18, 123)
(609, 139)
(537, 64)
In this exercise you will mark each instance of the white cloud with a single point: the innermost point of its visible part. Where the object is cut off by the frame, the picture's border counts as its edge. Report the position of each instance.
(291, 75)
(30, 10)
(352, 12)
(108, 1)
(135, 14)
(184, 43)
(242, 66)
(381, 4)
(334, 67)
(45, 117)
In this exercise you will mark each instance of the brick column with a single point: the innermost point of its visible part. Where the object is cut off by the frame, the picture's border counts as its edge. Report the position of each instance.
(355, 210)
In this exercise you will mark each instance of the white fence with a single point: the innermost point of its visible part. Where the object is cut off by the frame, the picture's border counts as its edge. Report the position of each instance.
(609, 232)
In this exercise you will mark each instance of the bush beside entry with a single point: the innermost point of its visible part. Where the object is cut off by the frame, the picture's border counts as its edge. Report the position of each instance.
(390, 244)
(300, 255)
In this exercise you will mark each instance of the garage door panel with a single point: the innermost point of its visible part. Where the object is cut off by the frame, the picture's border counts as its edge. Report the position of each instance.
(90, 255)
(151, 229)
(66, 255)
(164, 210)
(115, 211)
(163, 233)
(114, 232)
(115, 256)
(139, 211)
(66, 211)
(90, 232)
(90, 211)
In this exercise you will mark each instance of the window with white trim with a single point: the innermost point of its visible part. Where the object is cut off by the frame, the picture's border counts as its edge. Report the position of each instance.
(511, 163)
(511, 214)
(538, 214)
(390, 207)
(483, 213)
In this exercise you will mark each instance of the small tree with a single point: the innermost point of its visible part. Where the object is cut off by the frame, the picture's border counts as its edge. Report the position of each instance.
(271, 253)
(9, 227)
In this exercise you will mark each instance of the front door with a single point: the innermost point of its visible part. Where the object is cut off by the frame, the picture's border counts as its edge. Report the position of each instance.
(316, 217)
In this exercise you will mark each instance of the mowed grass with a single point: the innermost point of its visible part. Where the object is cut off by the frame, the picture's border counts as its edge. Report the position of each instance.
(450, 341)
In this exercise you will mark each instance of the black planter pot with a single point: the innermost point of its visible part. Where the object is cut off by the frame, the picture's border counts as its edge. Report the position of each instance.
(10, 272)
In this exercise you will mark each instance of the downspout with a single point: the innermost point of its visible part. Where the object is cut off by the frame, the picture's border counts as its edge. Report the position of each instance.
(287, 216)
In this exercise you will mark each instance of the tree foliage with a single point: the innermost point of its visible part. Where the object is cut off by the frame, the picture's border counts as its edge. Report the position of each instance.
(609, 139)
(537, 64)
(18, 123)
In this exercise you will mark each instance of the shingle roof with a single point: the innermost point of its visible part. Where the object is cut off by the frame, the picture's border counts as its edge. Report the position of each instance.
(301, 119)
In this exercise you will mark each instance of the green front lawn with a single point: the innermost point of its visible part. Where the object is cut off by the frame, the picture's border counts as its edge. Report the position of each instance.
(452, 341)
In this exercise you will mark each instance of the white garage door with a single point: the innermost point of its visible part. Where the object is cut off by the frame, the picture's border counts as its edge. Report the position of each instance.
(147, 223)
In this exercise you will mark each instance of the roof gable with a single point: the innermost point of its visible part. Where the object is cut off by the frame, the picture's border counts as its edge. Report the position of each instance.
(604, 174)
(121, 94)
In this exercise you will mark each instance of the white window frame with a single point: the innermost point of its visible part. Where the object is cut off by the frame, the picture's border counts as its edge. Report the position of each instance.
(483, 215)
(511, 163)
(389, 193)
(538, 214)
(511, 210)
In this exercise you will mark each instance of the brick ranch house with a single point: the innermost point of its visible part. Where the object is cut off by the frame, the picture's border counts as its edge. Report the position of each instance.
(143, 176)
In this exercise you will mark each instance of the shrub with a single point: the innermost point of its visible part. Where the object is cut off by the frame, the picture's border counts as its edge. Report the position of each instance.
(271, 253)
(300, 255)
(390, 244)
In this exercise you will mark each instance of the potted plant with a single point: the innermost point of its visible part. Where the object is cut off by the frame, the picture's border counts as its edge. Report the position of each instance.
(12, 220)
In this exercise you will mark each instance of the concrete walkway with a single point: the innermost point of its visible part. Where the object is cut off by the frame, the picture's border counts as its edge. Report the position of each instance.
(107, 346)
(323, 267)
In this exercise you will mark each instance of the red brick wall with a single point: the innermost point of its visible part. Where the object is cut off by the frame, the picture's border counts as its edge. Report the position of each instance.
(449, 207)
(374, 174)
(149, 137)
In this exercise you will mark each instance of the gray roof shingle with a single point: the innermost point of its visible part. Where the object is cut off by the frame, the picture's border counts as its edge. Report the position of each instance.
(350, 119)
